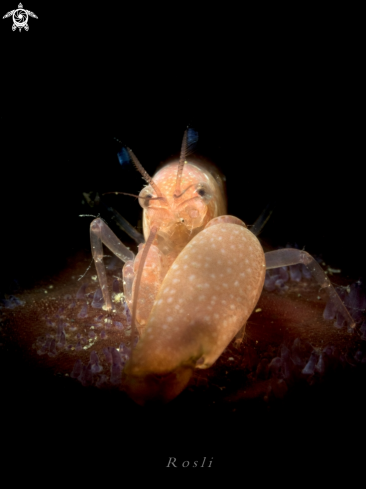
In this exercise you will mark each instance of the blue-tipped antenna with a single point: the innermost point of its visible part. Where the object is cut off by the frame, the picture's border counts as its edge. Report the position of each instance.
(123, 157)
(192, 139)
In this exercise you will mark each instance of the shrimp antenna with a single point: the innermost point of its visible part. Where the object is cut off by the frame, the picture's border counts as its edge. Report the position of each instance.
(145, 251)
(125, 155)
(132, 195)
(144, 173)
(190, 138)
(182, 157)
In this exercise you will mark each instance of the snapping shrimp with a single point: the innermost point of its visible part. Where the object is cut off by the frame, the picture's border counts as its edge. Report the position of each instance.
(194, 283)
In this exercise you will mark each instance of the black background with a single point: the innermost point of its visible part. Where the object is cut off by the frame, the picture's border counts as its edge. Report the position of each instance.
(278, 110)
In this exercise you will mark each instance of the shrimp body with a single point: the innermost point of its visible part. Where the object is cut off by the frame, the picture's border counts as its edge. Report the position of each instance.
(202, 277)
(195, 282)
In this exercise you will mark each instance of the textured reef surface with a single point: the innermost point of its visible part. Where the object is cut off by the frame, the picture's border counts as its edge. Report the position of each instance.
(294, 341)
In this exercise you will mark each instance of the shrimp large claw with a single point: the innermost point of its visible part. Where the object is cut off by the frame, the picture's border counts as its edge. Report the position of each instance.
(206, 297)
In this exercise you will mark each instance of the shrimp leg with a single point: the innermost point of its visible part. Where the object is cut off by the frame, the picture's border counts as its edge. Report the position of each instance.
(292, 256)
(100, 233)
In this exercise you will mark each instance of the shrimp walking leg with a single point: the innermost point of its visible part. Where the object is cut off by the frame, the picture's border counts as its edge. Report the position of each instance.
(100, 233)
(292, 256)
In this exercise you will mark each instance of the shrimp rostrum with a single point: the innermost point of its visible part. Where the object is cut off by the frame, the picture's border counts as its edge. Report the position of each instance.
(194, 283)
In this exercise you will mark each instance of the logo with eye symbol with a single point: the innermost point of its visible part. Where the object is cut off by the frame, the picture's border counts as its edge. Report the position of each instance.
(20, 17)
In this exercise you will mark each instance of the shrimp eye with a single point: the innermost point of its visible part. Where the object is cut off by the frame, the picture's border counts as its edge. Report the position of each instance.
(144, 198)
(204, 192)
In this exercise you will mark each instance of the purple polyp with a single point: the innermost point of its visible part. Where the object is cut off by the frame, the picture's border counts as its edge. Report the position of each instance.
(118, 324)
(61, 340)
(94, 360)
(339, 323)
(84, 312)
(328, 350)
(356, 301)
(269, 282)
(98, 301)
(285, 360)
(296, 354)
(127, 313)
(94, 357)
(78, 346)
(60, 329)
(52, 350)
(275, 367)
(124, 352)
(73, 327)
(358, 356)
(86, 376)
(77, 369)
(16, 301)
(275, 279)
(81, 292)
(310, 366)
(329, 310)
(116, 358)
(101, 380)
(46, 346)
(11, 302)
(108, 355)
(320, 366)
(295, 272)
(103, 334)
(282, 274)
(305, 272)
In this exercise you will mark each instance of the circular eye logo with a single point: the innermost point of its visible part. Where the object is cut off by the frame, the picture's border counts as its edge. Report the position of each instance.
(20, 17)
